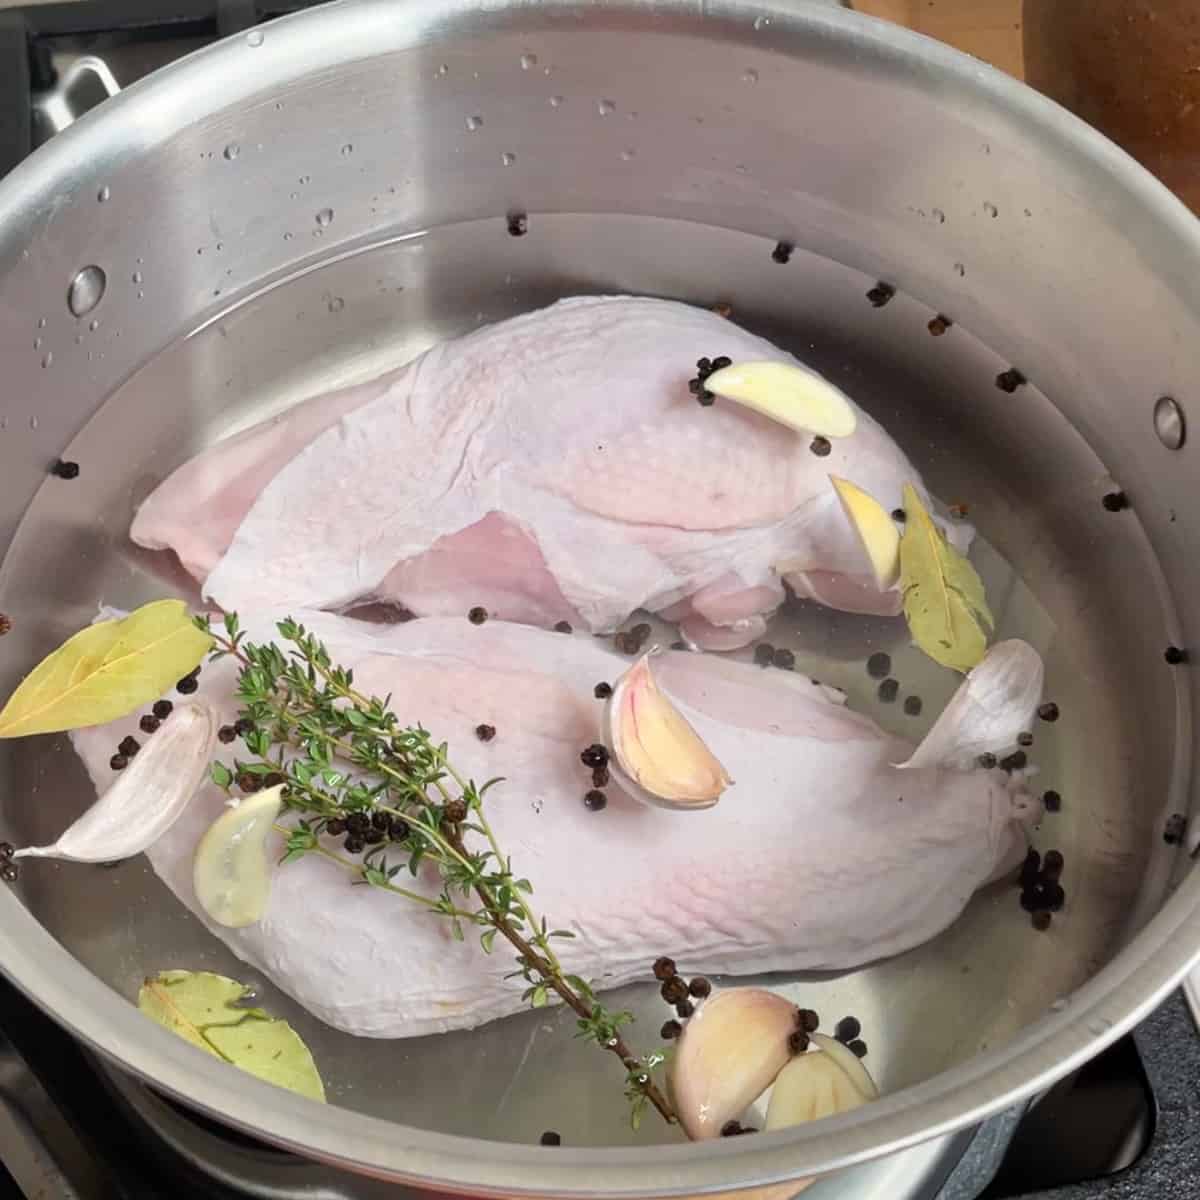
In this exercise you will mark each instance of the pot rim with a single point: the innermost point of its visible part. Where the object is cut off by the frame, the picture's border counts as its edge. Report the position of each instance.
(1103, 1009)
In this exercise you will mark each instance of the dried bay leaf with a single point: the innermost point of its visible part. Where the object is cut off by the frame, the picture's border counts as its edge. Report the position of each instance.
(944, 601)
(106, 671)
(207, 1010)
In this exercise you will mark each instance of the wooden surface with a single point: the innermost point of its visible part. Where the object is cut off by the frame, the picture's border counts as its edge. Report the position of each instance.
(988, 29)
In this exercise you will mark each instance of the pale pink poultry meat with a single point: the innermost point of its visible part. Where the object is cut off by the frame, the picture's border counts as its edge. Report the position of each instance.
(550, 467)
(822, 854)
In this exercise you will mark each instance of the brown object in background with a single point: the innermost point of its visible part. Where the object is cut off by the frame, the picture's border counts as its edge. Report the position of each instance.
(1131, 68)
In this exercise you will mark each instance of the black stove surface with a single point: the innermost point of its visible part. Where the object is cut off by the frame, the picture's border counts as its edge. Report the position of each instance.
(65, 1132)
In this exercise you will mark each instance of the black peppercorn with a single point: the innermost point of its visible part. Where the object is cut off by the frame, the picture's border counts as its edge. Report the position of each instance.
(562, 627)
(858, 1048)
(594, 755)
(550, 1138)
(1024, 739)
(456, 811)
(249, 783)
(272, 779)
(226, 734)
(1175, 828)
(357, 823)
(821, 446)
(987, 760)
(1015, 761)
(847, 1029)
(1052, 866)
(118, 762)
(1174, 656)
(732, 1128)
(913, 705)
(700, 987)
(664, 968)
(398, 829)
(187, 685)
(518, 224)
(889, 689)
(798, 1041)
(10, 872)
(670, 1030)
(243, 726)
(785, 660)
(782, 252)
(807, 1020)
(373, 837)
(477, 615)
(684, 1009)
(674, 990)
(600, 777)
(602, 691)
(65, 470)
(1031, 869)
(1041, 920)
(880, 294)
(380, 820)
(595, 800)
(1008, 381)
(879, 665)
(485, 733)
(162, 709)
(1114, 501)
(335, 827)
(128, 746)
(899, 515)
(354, 844)
(7, 850)
(1048, 711)
(764, 654)
(148, 724)
(939, 325)
(1052, 801)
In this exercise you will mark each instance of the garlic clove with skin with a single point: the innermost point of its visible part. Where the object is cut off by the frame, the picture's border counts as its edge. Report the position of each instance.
(849, 1062)
(656, 755)
(815, 1085)
(875, 529)
(728, 1054)
(149, 795)
(231, 873)
(788, 393)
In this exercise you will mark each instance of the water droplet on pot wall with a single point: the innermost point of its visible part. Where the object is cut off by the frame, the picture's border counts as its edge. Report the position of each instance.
(86, 291)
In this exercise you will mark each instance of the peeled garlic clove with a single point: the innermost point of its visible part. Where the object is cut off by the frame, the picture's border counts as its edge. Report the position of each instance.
(728, 1054)
(995, 704)
(876, 531)
(231, 873)
(812, 1086)
(788, 393)
(849, 1062)
(656, 755)
(149, 795)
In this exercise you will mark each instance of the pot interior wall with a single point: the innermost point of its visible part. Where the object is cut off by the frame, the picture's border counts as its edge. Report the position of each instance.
(344, 222)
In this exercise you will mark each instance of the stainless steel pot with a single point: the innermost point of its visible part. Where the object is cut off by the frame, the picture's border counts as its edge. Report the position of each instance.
(325, 195)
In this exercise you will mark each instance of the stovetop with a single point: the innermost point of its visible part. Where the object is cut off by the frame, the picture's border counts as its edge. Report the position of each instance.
(67, 1125)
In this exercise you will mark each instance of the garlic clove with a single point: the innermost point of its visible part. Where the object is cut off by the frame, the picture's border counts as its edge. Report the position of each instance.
(656, 755)
(728, 1054)
(876, 531)
(812, 1086)
(231, 873)
(849, 1062)
(788, 393)
(992, 707)
(149, 795)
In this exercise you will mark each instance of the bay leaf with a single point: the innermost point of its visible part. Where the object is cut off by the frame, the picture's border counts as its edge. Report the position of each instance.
(106, 671)
(203, 1008)
(944, 601)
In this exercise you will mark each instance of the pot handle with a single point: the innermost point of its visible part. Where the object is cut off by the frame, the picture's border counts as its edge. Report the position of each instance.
(1168, 1043)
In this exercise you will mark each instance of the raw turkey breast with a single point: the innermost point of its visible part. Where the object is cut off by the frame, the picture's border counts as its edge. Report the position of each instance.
(550, 467)
(821, 854)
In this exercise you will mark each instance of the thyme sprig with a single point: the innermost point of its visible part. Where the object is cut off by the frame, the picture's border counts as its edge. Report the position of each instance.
(345, 757)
